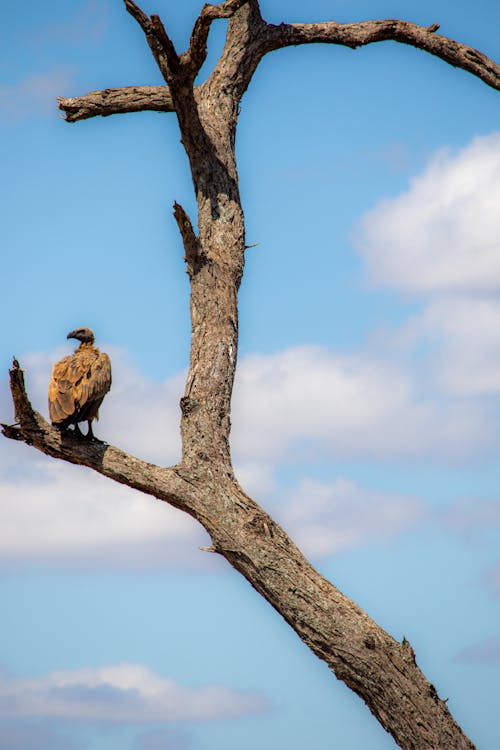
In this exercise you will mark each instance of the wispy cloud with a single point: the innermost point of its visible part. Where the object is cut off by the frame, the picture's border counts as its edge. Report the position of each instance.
(125, 692)
(491, 579)
(485, 652)
(470, 515)
(34, 95)
(325, 518)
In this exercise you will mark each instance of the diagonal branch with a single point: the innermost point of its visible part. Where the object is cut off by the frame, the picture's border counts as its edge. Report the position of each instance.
(117, 101)
(360, 34)
(31, 428)
(160, 44)
(372, 663)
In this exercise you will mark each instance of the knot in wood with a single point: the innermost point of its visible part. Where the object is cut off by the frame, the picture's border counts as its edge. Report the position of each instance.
(188, 405)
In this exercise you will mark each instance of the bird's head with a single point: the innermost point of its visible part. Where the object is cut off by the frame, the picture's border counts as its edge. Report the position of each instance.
(85, 335)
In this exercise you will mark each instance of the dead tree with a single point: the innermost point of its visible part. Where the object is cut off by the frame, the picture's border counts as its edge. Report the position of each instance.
(382, 671)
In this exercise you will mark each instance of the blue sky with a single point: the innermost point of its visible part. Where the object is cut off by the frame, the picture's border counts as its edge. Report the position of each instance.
(366, 405)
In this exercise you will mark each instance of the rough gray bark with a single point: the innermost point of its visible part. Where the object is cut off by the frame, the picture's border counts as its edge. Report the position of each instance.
(380, 670)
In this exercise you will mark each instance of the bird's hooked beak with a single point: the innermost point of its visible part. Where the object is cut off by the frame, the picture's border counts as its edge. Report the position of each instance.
(85, 335)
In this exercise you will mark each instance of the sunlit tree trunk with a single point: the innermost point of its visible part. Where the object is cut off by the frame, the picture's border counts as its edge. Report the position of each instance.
(382, 671)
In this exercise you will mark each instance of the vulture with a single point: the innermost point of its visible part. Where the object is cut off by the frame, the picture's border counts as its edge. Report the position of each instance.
(78, 384)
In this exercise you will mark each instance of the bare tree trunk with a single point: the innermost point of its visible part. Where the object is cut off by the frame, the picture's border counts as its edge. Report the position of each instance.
(380, 670)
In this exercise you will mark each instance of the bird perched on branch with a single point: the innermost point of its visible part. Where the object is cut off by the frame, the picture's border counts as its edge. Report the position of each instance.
(78, 384)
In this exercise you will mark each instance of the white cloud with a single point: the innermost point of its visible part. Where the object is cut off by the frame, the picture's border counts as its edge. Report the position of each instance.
(124, 692)
(68, 514)
(328, 518)
(307, 402)
(443, 234)
(441, 240)
(298, 405)
(465, 343)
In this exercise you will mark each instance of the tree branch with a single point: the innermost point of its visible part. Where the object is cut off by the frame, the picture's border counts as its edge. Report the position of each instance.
(159, 43)
(372, 663)
(117, 101)
(360, 34)
(196, 55)
(192, 249)
(166, 43)
(31, 428)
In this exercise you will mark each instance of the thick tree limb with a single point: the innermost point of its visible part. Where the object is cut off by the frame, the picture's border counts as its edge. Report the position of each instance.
(117, 101)
(366, 32)
(372, 663)
(264, 38)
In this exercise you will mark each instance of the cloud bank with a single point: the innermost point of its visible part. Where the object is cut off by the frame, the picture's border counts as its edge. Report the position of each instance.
(122, 693)
(308, 402)
(426, 392)
(295, 406)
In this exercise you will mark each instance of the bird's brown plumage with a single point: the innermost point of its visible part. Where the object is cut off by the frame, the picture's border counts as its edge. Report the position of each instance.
(79, 383)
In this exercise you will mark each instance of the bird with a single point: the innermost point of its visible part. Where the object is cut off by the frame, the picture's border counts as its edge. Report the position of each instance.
(78, 384)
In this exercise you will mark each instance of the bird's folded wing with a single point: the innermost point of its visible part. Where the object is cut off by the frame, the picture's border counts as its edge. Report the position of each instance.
(77, 379)
(61, 395)
(97, 380)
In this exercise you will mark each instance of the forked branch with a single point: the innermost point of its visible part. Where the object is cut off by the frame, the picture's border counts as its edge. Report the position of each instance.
(263, 38)
(196, 55)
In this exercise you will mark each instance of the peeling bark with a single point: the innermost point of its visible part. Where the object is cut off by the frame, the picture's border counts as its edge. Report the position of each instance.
(380, 670)
(117, 101)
